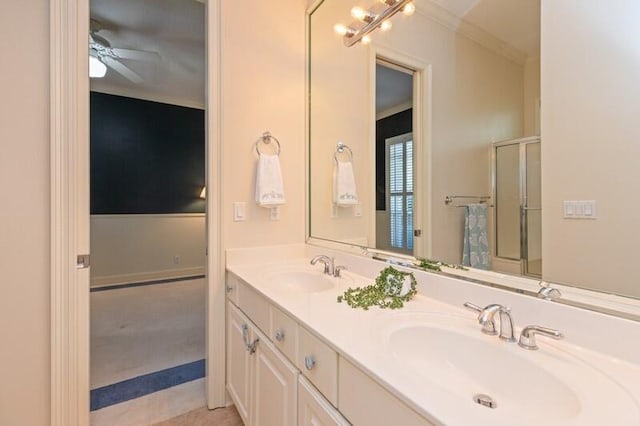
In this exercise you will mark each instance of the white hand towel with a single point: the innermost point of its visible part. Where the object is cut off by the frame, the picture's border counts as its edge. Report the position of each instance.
(344, 184)
(269, 185)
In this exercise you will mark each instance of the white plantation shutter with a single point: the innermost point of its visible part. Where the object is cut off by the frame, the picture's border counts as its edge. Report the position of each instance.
(400, 173)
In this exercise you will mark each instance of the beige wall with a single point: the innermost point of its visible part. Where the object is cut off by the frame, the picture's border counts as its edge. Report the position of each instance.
(263, 63)
(24, 213)
(591, 149)
(132, 248)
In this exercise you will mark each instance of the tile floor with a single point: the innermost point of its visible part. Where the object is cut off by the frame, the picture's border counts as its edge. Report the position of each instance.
(140, 330)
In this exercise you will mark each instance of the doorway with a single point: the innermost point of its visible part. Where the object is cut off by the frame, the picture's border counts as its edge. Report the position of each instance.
(394, 159)
(70, 214)
(148, 221)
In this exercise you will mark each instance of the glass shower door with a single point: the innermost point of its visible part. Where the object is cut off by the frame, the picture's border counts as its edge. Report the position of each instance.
(517, 195)
(532, 211)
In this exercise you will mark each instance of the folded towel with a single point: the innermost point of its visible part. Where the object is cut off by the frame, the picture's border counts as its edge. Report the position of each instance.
(476, 243)
(344, 184)
(269, 186)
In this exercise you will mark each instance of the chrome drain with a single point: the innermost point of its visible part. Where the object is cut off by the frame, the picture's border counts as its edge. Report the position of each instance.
(484, 400)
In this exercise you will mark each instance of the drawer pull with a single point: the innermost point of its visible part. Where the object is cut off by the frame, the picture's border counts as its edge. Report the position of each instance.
(279, 335)
(251, 347)
(309, 362)
(229, 289)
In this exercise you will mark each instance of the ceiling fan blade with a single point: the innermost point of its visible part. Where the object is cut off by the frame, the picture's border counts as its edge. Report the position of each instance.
(123, 70)
(138, 55)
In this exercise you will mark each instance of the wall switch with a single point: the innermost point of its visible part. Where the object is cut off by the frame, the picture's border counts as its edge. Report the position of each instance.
(357, 210)
(569, 210)
(274, 213)
(334, 211)
(239, 211)
(581, 209)
(176, 259)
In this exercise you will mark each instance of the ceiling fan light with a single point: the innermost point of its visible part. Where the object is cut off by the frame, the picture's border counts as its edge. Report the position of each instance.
(96, 68)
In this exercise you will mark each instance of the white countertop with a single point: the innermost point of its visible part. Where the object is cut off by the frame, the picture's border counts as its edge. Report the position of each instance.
(360, 335)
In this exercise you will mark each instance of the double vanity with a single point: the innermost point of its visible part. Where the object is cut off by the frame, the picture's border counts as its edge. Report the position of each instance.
(296, 356)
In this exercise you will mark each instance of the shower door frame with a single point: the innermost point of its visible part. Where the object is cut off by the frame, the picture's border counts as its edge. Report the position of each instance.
(524, 207)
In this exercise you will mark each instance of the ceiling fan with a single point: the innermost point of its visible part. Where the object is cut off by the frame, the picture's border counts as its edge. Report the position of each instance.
(103, 55)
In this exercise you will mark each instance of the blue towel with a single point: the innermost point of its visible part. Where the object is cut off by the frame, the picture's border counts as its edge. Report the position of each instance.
(476, 243)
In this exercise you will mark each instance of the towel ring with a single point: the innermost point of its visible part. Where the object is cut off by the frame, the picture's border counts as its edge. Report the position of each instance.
(341, 148)
(266, 139)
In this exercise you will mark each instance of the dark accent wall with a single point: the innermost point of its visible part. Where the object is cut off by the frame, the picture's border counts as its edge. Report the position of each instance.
(146, 157)
(388, 127)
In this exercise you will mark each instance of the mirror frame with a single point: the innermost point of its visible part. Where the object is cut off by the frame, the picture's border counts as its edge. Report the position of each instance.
(602, 302)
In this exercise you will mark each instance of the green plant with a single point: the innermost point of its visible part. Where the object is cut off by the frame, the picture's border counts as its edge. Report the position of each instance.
(434, 265)
(385, 293)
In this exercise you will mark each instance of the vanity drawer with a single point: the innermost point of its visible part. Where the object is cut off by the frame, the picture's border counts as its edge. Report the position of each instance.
(254, 305)
(284, 333)
(365, 402)
(319, 363)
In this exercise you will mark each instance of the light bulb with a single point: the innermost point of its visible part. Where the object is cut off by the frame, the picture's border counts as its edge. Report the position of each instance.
(340, 29)
(344, 30)
(366, 39)
(385, 26)
(96, 68)
(408, 9)
(358, 13)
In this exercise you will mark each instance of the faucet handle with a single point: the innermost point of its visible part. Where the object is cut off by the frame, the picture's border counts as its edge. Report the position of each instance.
(488, 327)
(528, 336)
(473, 307)
(337, 270)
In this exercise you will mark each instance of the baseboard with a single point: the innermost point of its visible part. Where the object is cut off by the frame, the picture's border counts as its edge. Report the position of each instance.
(138, 277)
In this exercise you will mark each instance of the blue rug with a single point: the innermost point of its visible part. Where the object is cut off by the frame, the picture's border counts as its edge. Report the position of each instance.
(146, 384)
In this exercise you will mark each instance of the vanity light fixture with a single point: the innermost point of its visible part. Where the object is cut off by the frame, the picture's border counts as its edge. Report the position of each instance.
(370, 19)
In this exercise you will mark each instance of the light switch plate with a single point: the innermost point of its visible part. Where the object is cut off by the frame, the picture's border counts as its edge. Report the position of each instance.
(579, 209)
(239, 211)
(357, 210)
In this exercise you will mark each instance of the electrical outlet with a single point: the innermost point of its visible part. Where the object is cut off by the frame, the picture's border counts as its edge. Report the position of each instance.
(176, 259)
(274, 213)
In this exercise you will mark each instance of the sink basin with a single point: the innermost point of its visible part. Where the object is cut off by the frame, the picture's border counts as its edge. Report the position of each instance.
(549, 386)
(303, 280)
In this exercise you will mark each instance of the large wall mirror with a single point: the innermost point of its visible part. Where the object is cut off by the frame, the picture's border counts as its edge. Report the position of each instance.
(429, 141)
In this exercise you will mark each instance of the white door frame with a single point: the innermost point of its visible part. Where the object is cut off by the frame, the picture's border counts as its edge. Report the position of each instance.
(69, 153)
(422, 140)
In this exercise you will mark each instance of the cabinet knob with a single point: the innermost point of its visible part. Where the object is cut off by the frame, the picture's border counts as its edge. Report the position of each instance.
(229, 289)
(279, 335)
(309, 362)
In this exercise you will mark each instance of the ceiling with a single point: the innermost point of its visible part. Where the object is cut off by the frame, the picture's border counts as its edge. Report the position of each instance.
(393, 88)
(175, 29)
(516, 22)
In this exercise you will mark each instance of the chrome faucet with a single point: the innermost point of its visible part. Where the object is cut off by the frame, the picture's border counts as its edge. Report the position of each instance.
(326, 261)
(486, 318)
(548, 293)
(528, 336)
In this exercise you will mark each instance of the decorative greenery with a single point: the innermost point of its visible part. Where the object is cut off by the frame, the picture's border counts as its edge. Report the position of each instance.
(434, 265)
(385, 293)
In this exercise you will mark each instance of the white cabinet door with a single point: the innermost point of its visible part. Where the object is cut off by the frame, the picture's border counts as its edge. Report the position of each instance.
(275, 383)
(239, 361)
(313, 409)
